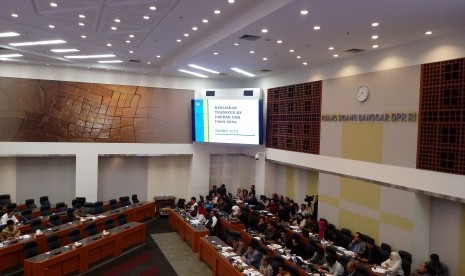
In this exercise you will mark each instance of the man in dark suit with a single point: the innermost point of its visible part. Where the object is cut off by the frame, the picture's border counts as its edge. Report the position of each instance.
(372, 253)
(351, 270)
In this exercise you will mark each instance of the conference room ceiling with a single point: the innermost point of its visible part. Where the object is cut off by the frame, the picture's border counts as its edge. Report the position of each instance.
(164, 36)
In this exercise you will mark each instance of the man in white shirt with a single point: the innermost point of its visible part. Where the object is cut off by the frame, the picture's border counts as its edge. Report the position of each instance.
(7, 216)
(193, 203)
(332, 266)
(211, 222)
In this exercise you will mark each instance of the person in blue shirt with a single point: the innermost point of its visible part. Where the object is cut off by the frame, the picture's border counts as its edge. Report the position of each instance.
(252, 256)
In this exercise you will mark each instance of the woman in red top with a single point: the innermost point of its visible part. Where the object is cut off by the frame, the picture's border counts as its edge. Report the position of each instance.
(322, 223)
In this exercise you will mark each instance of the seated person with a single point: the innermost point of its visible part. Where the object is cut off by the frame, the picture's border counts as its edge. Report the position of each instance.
(283, 213)
(393, 264)
(234, 211)
(270, 232)
(318, 257)
(352, 270)
(9, 215)
(298, 248)
(252, 257)
(332, 266)
(357, 245)
(239, 194)
(438, 267)
(238, 246)
(211, 222)
(261, 227)
(282, 271)
(79, 212)
(284, 239)
(299, 221)
(10, 232)
(265, 266)
(372, 253)
(192, 203)
(424, 269)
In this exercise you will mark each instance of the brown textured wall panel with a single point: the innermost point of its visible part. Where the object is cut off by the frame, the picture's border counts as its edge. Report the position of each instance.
(293, 117)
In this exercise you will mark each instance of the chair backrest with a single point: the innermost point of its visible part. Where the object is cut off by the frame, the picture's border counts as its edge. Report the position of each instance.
(44, 200)
(45, 210)
(406, 261)
(53, 242)
(113, 204)
(55, 220)
(124, 201)
(98, 207)
(30, 249)
(386, 247)
(91, 229)
(27, 214)
(109, 223)
(5, 200)
(75, 202)
(345, 231)
(70, 214)
(36, 224)
(405, 255)
(30, 204)
(89, 207)
(135, 199)
(82, 200)
(122, 219)
(61, 207)
(74, 235)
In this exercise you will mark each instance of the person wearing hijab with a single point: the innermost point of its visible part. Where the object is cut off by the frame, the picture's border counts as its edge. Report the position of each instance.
(394, 264)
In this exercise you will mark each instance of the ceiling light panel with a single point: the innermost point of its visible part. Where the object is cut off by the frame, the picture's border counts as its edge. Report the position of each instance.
(35, 43)
(203, 68)
(91, 56)
(64, 50)
(10, 55)
(243, 72)
(193, 73)
(9, 34)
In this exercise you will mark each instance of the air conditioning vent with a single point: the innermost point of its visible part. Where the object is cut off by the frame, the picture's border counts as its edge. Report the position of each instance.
(223, 74)
(266, 70)
(250, 37)
(134, 60)
(354, 51)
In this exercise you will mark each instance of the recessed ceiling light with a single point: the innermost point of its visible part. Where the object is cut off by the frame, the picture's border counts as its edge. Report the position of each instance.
(238, 70)
(64, 50)
(10, 55)
(131, 36)
(114, 28)
(264, 31)
(252, 52)
(186, 34)
(51, 26)
(8, 34)
(217, 11)
(375, 24)
(128, 41)
(375, 46)
(299, 57)
(192, 73)
(215, 53)
(48, 64)
(374, 37)
(110, 61)
(428, 33)
(117, 20)
(304, 63)
(265, 58)
(195, 28)
(316, 28)
(231, 1)
(205, 21)
(146, 17)
(149, 62)
(236, 44)
(178, 40)
(53, 4)
(81, 24)
(153, 8)
(14, 15)
(331, 48)
(82, 16)
(158, 56)
(109, 44)
(279, 41)
(203, 68)
(91, 56)
(291, 50)
(335, 55)
(304, 12)
(42, 42)
(131, 51)
(83, 36)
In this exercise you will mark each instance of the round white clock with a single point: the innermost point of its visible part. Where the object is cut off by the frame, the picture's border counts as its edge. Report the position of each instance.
(362, 93)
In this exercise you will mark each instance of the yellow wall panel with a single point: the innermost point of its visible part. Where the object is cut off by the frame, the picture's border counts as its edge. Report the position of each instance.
(328, 200)
(397, 221)
(362, 141)
(359, 223)
(312, 183)
(290, 182)
(360, 193)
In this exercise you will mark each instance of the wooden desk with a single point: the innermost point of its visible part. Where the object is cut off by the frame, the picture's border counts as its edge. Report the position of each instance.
(188, 233)
(12, 255)
(162, 202)
(219, 265)
(66, 260)
(224, 224)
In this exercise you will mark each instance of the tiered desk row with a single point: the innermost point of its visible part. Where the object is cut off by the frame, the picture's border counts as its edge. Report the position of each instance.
(11, 255)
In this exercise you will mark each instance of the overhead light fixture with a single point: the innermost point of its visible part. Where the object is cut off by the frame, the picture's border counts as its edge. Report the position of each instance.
(291, 50)
(158, 56)
(375, 46)
(110, 61)
(304, 12)
(131, 36)
(128, 41)
(53, 4)
(264, 31)
(205, 21)
(374, 37)
(331, 48)
(64, 50)
(193, 73)
(51, 26)
(82, 16)
(236, 44)
(252, 52)
(83, 36)
(146, 17)
(81, 24)
(9, 34)
(238, 70)
(265, 58)
(217, 11)
(152, 8)
(335, 55)
(117, 20)
(195, 28)
(10, 55)
(149, 62)
(231, 1)
(14, 15)
(299, 57)
(203, 68)
(316, 27)
(178, 40)
(279, 41)
(304, 63)
(108, 44)
(375, 24)
(428, 33)
(114, 28)
(215, 53)
(131, 51)
(90, 56)
(186, 34)
(34, 43)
